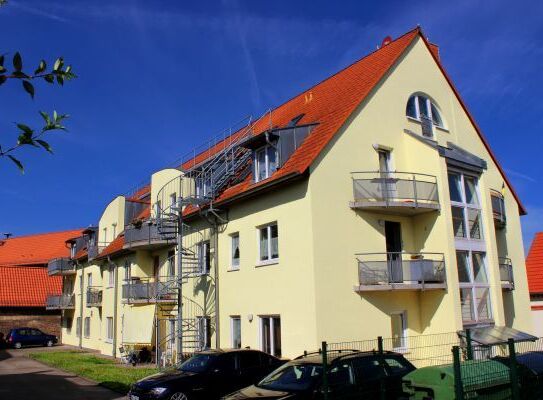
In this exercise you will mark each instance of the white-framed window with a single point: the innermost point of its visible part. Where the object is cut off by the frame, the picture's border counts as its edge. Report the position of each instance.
(171, 263)
(111, 276)
(234, 265)
(158, 209)
(270, 334)
(104, 233)
(89, 280)
(204, 331)
(465, 206)
(78, 327)
(171, 333)
(204, 256)
(114, 230)
(203, 186)
(86, 331)
(419, 106)
(109, 329)
(268, 238)
(235, 329)
(398, 327)
(474, 287)
(68, 321)
(127, 270)
(73, 250)
(173, 200)
(265, 162)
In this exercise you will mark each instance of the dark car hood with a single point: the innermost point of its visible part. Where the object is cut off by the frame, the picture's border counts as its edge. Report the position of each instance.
(254, 392)
(162, 377)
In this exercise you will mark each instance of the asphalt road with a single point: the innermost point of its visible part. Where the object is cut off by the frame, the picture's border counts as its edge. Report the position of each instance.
(22, 378)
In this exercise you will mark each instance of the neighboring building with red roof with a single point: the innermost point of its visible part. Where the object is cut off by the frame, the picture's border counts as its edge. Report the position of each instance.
(534, 269)
(25, 283)
(370, 196)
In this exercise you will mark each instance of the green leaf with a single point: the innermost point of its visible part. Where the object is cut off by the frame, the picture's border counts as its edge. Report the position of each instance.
(29, 88)
(25, 139)
(20, 75)
(45, 145)
(58, 64)
(18, 163)
(55, 116)
(45, 117)
(49, 78)
(68, 69)
(25, 129)
(40, 68)
(17, 62)
(60, 80)
(3, 78)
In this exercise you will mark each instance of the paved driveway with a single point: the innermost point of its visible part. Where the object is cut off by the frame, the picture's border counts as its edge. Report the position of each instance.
(23, 378)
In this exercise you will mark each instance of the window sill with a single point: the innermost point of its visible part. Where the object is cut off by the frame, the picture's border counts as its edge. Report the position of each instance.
(267, 262)
(232, 269)
(417, 121)
(110, 341)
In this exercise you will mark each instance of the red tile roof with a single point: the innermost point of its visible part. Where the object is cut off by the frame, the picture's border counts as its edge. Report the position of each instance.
(24, 286)
(115, 247)
(36, 249)
(330, 103)
(534, 265)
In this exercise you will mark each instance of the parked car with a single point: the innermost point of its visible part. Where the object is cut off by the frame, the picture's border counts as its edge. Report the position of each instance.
(351, 375)
(20, 337)
(530, 372)
(207, 375)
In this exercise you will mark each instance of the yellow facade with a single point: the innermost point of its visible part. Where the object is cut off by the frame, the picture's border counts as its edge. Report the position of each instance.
(311, 285)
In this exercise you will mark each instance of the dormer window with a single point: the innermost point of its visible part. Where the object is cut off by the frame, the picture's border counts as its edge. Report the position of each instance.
(73, 250)
(265, 162)
(421, 108)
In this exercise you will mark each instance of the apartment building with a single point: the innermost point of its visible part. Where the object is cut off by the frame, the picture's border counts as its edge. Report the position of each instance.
(370, 204)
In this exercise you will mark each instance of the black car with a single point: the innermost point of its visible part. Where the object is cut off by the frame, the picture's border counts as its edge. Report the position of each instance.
(351, 375)
(20, 337)
(207, 375)
(530, 373)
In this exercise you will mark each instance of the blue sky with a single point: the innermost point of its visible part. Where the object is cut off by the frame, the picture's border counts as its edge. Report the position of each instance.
(159, 78)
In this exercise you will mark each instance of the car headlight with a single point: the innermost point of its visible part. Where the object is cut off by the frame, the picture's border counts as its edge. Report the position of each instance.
(158, 390)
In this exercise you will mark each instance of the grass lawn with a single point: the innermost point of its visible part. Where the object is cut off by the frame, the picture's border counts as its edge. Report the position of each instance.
(106, 372)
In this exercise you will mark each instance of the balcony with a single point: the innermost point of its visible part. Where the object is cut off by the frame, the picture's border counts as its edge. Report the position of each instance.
(146, 290)
(94, 297)
(94, 249)
(498, 209)
(143, 237)
(60, 302)
(400, 271)
(400, 193)
(61, 266)
(506, 274)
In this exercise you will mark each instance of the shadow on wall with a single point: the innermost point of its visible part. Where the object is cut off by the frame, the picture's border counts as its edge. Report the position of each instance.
(509, 308)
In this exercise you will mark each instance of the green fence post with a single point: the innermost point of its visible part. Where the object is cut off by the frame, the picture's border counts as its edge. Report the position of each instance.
(513, 371)
(324, 370)
(458, 386)
(382, 383)
(469, 345)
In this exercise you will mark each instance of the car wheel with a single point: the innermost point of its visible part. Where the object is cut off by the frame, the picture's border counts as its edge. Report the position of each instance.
(18, 345)
(179, 396)
(49, 343)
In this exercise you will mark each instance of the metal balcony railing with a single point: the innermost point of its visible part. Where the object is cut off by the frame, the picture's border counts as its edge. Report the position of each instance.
(60, 302)
(498, 209)
(401, 192)
(143, 236)
(506, 273)
(94, 249)
(61, 266)
(94, 297)
(414, 271)
(140, 290)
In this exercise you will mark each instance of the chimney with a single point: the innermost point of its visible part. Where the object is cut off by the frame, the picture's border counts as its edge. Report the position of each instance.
(386, 41)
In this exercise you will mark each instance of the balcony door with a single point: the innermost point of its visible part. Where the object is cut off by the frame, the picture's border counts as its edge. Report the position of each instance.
(393, 237)
(388, 183)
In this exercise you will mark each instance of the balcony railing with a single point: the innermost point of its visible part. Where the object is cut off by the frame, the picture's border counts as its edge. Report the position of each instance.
(395, 192)
(60, 302)
(61, 266)
(145, 236)
(400, 271)
(94, 297)
(94, 249)
(506, 273)
(498, 209)
(146, 290)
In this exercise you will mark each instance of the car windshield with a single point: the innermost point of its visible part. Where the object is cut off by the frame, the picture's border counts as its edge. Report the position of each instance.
(294, 377)
(198, 363)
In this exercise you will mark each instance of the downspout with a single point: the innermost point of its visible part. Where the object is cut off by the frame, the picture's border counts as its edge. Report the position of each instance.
(81, 285)
(115, 299)
(216, 266)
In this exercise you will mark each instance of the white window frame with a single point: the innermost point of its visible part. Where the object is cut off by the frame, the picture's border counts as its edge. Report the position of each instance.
(73, 250)
(269, 260)
(203, 259)
(203, 324)
(78, 327)
(234, 265)
(261, 319)
(173, 200)
(111, 276)
(472, 285)
(109, 329)
(232, 340)
(429, 104)
(104, 232)
(158, 207)
(127, 270)
(404, 343)
(89, 280)
(114, 230)
(87, 327)
(171, 333)
(170, 261)
(267, 172)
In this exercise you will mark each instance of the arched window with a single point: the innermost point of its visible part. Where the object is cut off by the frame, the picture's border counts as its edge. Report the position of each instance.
(420, 106)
